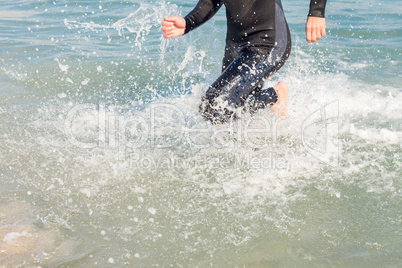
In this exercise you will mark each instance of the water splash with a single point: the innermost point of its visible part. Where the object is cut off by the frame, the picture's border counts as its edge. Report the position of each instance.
(154, 177)
(140, 22)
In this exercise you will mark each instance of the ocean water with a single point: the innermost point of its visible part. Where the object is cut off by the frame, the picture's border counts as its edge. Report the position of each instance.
(105, 161)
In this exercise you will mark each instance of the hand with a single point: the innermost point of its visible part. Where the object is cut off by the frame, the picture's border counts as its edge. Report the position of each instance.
(315, 29)
(173, 26)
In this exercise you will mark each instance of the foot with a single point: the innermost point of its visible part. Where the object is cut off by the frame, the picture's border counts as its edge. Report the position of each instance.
(280, 108)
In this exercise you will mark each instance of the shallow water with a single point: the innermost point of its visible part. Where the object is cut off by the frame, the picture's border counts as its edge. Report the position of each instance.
(106, 159)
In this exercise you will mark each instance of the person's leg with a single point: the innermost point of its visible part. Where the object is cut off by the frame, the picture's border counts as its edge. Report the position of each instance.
(241, 78)
(283, 41)
(275, 60)
(232, 52)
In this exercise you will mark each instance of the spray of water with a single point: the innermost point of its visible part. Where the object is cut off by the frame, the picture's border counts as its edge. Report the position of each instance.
(142, 179)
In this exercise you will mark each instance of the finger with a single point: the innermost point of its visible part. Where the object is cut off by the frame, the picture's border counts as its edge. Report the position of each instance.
(166, 23)
(313, 36)
(167, 35)
(168, 32)
(323, 31)
(170, 19)
(167, 28)
(318, 34)
(308, 35)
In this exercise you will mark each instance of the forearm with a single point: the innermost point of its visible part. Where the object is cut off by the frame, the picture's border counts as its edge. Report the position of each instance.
(204, 10)
(317, 8)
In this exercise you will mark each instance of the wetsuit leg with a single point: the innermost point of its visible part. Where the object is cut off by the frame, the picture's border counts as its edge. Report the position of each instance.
(231, 53)
(231, 90)
(259, 98)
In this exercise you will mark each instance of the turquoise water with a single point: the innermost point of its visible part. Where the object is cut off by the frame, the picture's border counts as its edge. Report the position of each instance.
(105, 161)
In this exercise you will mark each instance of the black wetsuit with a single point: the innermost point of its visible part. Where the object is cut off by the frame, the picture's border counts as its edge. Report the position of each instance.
(257, 45)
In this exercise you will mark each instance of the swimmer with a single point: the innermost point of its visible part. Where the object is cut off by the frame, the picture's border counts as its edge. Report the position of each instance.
(257, 45)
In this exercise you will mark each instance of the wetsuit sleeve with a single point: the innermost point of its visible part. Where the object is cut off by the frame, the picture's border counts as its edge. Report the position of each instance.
(203, 11)
(317, 8)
